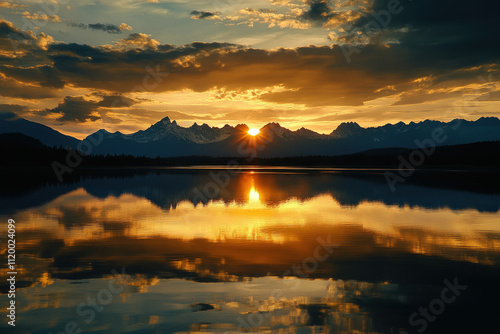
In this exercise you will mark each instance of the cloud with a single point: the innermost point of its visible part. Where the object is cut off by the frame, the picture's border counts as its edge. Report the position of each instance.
(7, 4)
(42, 75)
(489, 96)
(313, 76)
(9, 34)
(124, 26)
(40, 17)
(80, 109)
(24, 44)
(115, 101)
(13, 88)
(301, 14)
(109, 28)
(75, 109)
(448, 27)
(202, 15)
(319, 11)
(307, 76)
(271, 18)
(138, 40)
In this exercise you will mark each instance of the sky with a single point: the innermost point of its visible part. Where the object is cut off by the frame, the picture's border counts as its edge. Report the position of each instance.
(80, 66)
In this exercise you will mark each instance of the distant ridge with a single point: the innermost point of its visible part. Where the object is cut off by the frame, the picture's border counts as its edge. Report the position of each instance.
(10, 123)
(20, 150)
(167, 139)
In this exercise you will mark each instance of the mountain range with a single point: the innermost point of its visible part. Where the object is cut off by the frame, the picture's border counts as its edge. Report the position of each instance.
(167, 139)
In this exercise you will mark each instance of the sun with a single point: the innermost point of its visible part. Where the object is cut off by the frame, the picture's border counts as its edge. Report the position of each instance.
(253, 132)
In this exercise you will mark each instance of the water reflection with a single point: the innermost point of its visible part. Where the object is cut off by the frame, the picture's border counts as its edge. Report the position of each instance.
(168, 188)
(199, 263)
(253, 195)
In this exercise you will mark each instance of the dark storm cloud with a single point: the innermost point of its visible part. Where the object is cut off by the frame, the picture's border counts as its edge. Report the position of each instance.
(116, 101)
(13, 39)
(200, 15)
(429, 12)
(74, 49)
(109, 28)
(319, 11)
(79, 109)
(457, 33)
(75, 109)
(7, 30)
(44, 75)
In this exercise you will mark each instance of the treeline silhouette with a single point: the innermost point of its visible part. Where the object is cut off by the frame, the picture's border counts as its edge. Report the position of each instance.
(18, 150)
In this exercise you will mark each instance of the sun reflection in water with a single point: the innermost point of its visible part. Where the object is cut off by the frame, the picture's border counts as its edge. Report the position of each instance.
(253, 196)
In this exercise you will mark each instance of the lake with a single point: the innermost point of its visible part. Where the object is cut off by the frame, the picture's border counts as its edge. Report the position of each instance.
(254, 249)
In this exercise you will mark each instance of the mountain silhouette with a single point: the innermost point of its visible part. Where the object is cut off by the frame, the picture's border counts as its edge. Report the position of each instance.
(166, 188)
(167, 139)
(10, 123)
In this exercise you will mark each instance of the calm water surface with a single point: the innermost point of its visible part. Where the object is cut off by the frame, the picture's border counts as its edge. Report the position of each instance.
(256, 250)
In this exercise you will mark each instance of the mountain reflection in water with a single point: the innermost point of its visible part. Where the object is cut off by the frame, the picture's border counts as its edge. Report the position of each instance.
(245, 257)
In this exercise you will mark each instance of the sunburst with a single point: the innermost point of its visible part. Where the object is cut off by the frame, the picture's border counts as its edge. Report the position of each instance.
(253, 132)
